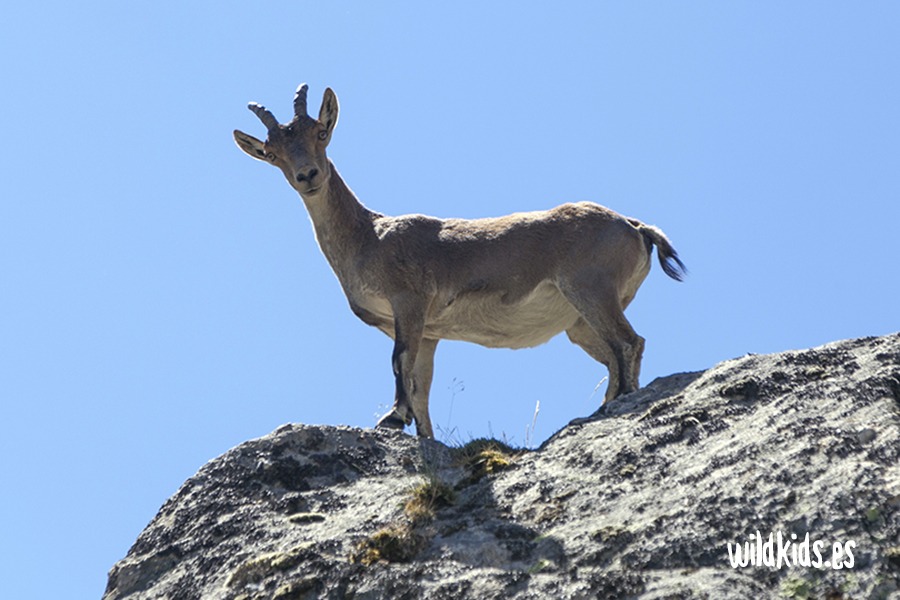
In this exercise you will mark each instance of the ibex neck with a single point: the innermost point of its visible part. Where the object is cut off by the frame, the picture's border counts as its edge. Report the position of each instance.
(342, 225)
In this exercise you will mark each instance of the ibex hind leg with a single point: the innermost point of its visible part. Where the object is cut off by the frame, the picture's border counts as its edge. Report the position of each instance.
(609, 337)
(582, 335)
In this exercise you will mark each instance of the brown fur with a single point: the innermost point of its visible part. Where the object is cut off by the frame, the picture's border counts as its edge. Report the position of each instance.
(504, 282)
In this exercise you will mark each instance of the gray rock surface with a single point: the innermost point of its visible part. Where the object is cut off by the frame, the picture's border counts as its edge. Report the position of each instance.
(639, 501)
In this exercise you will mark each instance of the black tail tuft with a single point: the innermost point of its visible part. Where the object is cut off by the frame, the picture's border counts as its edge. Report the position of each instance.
(668, 258)
(671, 264)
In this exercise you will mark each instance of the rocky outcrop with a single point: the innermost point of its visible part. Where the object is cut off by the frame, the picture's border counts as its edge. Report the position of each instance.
(649, 498)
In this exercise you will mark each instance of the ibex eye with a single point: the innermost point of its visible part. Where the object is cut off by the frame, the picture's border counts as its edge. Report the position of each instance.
(270, 157)
(323, 135)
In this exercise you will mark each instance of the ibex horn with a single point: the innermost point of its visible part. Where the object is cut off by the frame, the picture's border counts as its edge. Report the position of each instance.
(300, 100)
(264, 115)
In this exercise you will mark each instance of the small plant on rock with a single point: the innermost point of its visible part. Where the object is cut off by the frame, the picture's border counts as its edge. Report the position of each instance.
(482, 457)
(397, 543)
(427, 497)
(401, 541)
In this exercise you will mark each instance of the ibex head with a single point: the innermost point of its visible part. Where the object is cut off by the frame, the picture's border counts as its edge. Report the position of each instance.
(297, 147)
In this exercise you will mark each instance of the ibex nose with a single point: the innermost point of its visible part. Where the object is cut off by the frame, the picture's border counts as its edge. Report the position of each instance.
(307, 175)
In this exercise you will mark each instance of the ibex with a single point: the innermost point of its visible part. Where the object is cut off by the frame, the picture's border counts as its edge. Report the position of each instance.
(505, 282)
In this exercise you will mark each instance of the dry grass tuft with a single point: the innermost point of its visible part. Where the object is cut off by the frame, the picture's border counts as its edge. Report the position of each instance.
(396, 543)
(427, 497)
(482, 457)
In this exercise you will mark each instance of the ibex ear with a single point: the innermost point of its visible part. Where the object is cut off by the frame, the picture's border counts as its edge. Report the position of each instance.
(328, 114)
(250, 145)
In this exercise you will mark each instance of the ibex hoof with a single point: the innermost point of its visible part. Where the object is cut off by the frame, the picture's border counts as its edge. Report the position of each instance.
(391, 421)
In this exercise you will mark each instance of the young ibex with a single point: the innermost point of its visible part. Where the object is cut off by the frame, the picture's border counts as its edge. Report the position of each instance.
(506, 282)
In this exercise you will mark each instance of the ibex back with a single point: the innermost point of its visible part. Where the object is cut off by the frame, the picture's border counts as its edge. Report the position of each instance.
(506, 282)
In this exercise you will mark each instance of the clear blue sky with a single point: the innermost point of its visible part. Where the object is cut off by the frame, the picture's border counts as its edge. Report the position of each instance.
(163, 298)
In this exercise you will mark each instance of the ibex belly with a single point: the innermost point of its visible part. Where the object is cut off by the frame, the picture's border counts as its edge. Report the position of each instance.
(492, 320)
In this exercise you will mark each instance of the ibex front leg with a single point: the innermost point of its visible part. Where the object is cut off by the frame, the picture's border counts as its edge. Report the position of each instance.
(412, 361)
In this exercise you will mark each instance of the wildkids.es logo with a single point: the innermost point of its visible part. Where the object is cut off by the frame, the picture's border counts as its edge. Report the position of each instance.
(781, 550)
